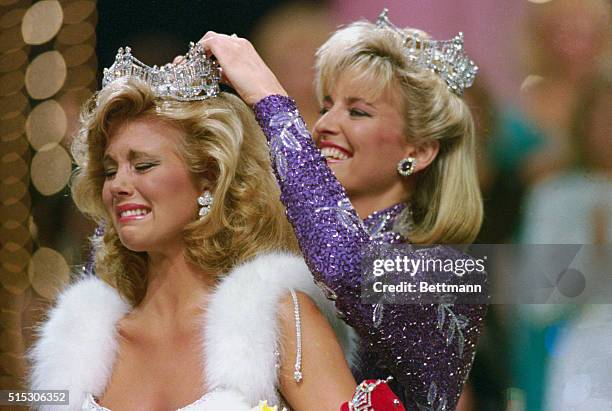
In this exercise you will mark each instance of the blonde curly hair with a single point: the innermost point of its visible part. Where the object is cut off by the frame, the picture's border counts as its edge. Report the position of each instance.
(223, 145)
(446, 202)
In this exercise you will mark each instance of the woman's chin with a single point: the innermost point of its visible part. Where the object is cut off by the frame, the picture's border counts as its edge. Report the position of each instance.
(134, 244)
(335, 163)
(137, 249)
(336, 167)
(340, 171)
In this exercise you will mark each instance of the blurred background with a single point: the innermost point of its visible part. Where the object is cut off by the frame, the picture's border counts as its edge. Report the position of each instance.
(543, 108)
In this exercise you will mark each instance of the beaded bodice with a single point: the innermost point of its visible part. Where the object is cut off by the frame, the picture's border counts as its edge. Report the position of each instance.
(427, 348)
(390, 224)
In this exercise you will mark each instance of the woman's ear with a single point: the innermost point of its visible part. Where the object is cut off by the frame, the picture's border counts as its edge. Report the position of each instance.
(202, 182)
(424, 154)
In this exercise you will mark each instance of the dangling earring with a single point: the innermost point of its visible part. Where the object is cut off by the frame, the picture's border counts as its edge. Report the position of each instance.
(406, 166)
(205, 201)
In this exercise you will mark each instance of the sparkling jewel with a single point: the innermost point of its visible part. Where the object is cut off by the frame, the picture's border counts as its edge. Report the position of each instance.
(196, 78)
(446, 58)
(297, 374)
(205, 201)
(406, 166)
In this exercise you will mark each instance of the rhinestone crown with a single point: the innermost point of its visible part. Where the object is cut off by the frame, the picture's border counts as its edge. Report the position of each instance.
(446, 58)
(196, 78)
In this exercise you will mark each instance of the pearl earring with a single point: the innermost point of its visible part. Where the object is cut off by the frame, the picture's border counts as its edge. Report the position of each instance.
(205, 201)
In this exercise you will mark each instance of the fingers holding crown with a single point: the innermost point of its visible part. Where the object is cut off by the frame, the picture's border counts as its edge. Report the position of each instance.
(212, 41)
(241, 66)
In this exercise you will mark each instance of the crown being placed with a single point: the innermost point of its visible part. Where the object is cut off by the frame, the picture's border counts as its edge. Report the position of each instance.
(446, 58)
(196, 78)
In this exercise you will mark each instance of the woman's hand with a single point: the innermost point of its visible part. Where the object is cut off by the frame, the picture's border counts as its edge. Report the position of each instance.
(242, 67)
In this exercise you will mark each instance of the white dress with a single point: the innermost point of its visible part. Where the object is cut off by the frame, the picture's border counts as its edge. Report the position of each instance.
(78, 343)
(90, 403)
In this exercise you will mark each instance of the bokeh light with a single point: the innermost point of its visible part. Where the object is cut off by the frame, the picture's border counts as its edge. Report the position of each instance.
(12, 18)
(15, 232)
(76, 55)
(530, 81)
(47, 52)
(11, 39)
(13, 60)
(16, 211)
(14, 282)
(75, 33)
(16, 144)
(12, 125)
(12, 105)
(48, 272)
(50, 170)
(41, 22)
(7, 2)
(80, 77)
(14, 261)
(11, 83)
(78, 11)
(14, 257)
(46, 124)
(45, 75)
(12, 188)
(12, 164)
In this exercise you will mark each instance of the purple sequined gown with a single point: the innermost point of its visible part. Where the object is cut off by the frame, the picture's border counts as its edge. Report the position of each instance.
(427, 348)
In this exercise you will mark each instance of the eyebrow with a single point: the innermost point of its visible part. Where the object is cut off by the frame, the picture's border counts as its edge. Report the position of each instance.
(132, 155)
(350, 100)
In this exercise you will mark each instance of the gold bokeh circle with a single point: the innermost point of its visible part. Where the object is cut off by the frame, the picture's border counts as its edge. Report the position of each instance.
(46, 124)
(42, 21)
(45, 75)
(48, 272)
(50, 170)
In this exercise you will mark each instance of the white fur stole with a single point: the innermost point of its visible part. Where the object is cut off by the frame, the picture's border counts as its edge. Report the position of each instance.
(78, 344)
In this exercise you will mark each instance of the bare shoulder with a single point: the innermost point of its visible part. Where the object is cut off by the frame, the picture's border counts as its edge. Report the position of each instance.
(314, 327)
(326, 378)
(307, 306)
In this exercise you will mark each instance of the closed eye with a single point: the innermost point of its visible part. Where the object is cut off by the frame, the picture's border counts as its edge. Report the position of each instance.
(108, 173)
(144, 166)
(354, 112)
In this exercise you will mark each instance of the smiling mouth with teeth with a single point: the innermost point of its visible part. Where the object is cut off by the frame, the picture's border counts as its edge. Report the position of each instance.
(331, 153)
(134, 213)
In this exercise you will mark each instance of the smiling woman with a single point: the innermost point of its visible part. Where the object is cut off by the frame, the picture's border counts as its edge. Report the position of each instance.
(368, 131)
(391, 160)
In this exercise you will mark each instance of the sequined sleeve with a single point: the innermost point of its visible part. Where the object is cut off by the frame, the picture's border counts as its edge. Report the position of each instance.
(327, 227)
(427, 348)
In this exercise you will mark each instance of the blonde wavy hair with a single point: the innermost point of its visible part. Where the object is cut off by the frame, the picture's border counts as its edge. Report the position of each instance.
(223, 145)
(446, 202)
